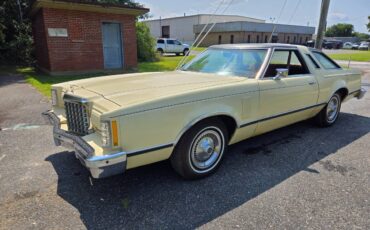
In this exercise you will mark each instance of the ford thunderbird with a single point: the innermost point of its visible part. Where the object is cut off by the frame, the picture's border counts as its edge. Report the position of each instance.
(224, 95)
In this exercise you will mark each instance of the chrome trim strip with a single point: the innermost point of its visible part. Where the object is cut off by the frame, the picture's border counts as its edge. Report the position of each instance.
(147, 150)
(356, 91)
(73, 98)
(280, 115)
(129, 154)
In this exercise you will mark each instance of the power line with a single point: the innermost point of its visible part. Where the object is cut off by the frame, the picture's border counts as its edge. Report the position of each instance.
(182, 61)
(278, 19)
(295, 11)
(185, 58)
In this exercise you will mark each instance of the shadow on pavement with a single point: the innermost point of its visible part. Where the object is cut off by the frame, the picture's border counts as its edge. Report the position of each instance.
(154, 196)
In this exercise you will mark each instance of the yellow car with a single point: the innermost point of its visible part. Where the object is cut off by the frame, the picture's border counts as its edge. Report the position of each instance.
(224, 95)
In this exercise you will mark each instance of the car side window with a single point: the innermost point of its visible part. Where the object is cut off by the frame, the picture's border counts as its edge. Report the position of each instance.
(286, 59)
(325, 61)
(170, 42)
(177, 43)
(313, 61)
(160, 41)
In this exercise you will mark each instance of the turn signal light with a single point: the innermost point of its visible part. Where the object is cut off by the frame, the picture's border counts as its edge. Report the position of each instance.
(114, 133)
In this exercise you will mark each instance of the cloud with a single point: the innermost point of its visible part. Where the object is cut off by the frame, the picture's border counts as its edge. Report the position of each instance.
(336, 16)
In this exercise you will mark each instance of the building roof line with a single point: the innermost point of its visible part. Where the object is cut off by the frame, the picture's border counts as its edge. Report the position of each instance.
(80, 5)
(197, 15)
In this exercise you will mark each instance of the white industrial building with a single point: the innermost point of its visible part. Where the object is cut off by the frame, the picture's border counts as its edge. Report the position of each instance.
(182, 28)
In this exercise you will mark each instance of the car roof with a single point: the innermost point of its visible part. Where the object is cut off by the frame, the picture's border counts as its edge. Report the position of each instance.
(254, 45)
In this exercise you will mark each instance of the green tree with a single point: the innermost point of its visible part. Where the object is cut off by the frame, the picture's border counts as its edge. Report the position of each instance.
(361, 36)
(15, 33)
(368, 24)
(340, 30)
(145, 43)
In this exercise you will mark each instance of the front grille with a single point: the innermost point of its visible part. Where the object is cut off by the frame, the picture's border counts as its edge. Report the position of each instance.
(77, 117)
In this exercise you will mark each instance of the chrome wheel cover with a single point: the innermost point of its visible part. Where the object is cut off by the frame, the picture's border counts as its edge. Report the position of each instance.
(206, 149)
(332, 109)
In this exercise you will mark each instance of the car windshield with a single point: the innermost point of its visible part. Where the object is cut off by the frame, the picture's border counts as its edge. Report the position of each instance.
(230, 62)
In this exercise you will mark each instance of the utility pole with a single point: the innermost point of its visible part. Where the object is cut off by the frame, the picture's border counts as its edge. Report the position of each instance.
(322, 23)
(20, 11)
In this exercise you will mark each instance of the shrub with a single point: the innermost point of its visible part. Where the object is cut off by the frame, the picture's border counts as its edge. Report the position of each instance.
(145, 43)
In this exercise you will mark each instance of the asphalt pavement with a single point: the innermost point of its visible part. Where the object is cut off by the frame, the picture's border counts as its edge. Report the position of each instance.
(297, 177)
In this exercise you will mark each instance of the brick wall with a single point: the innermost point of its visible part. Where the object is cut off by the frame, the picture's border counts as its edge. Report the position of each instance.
(41, 48)
(82, 50)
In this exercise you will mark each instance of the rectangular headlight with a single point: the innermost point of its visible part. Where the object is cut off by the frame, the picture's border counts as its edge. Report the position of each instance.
(54, 97)
(105, 133)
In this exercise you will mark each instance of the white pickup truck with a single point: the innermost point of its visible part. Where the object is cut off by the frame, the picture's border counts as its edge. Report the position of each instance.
(168, 45)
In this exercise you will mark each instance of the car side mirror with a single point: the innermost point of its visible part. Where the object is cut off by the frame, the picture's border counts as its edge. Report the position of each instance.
(281, 73)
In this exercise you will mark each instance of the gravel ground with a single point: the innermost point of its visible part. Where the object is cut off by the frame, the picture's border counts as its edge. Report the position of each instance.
(298, 177)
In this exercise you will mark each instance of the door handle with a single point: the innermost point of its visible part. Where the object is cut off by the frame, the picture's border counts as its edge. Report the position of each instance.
(312, 83)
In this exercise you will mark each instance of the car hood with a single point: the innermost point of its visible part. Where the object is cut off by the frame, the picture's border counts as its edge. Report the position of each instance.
(132, 89)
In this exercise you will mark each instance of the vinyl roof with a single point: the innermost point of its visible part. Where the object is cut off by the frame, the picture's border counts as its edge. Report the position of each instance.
(254, 45)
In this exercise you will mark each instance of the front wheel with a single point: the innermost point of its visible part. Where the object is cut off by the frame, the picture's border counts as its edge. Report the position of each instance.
(200, 150)
(185, 52)
(329, 114)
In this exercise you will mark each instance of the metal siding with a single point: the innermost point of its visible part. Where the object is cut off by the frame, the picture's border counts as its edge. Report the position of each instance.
(257, 27)
(112, 46)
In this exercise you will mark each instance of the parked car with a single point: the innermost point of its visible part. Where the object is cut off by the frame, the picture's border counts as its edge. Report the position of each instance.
(350, 45)
(364, 46)
(224, 95)
(166, 45)
(332, 44)
(310, 43)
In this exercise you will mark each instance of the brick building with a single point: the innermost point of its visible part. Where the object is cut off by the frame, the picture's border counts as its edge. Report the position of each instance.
(76, 36)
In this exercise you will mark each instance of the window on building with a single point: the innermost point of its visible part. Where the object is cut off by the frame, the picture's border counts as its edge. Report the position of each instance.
(258, 39)
(294, 40)
(306, 39)
(232, 39)
(274, 39)
(287, 59)
(219, 39)
(288, 40)
(325, 61)
(300, 40)
(265, 38)
(249, 38)
(165, 31)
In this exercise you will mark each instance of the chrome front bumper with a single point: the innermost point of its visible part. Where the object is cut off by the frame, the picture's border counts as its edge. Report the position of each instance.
(99, 166)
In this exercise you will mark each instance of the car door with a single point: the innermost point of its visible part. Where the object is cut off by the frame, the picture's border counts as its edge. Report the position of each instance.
(178, 46)
(171, 46)
(289, 99)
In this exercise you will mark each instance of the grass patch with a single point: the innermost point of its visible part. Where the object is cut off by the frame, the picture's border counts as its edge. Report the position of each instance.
(199, 49)
(43, 82)
(166, 63)
(362, 56)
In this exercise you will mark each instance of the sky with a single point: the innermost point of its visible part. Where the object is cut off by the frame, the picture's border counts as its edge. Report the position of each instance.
(296, 12)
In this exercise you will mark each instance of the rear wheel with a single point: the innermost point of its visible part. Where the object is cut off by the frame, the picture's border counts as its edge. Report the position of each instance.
(185, 52)
(329, 114)
(200, 150)
(160, 51)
